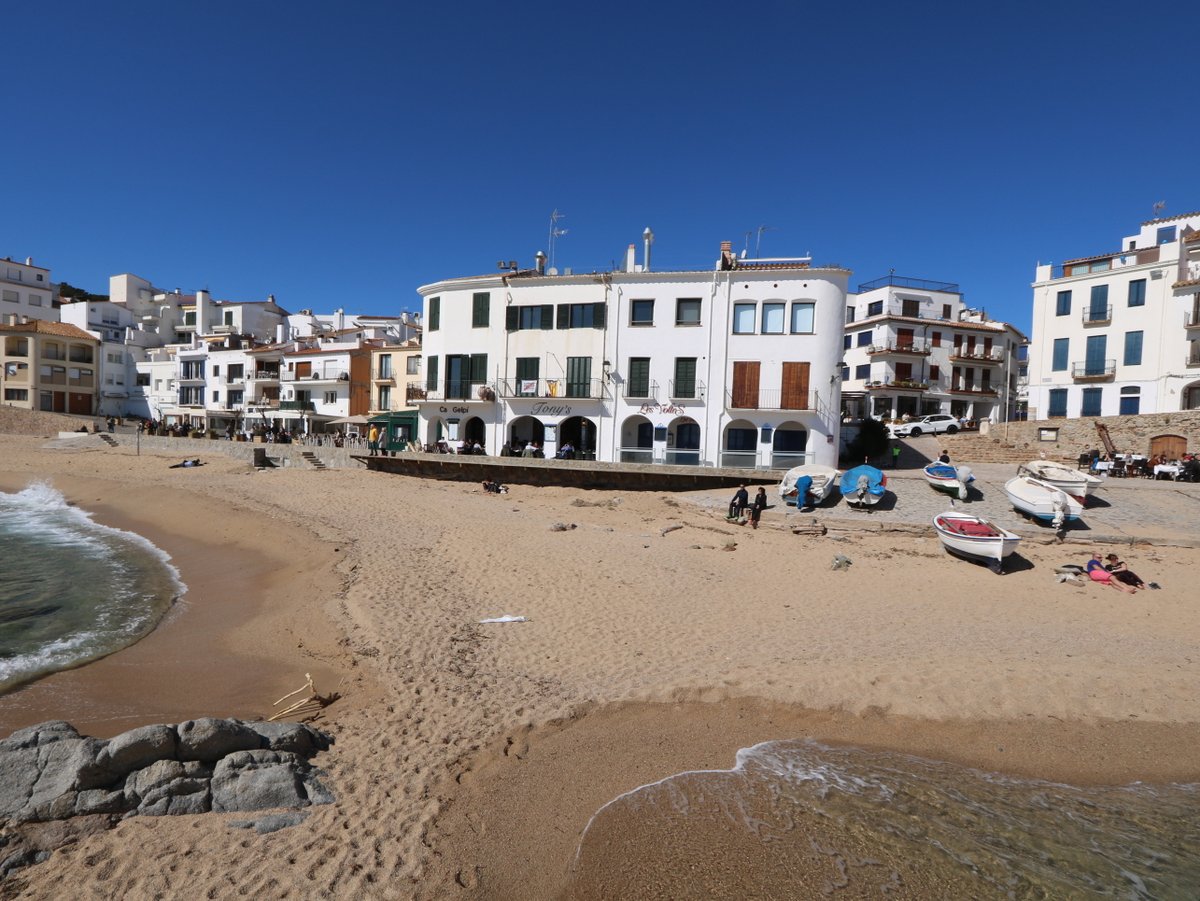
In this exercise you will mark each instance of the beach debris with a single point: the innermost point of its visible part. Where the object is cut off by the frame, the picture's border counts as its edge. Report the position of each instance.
(506, 618)
(809, 528)
(311, 704)
(674, 528)
(1154, 585)
(1073, 578)
(562, 527)
(730, 546)
(841, 561)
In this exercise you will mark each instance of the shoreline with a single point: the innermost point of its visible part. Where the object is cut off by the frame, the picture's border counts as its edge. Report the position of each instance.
(531, 806)
(219, 651)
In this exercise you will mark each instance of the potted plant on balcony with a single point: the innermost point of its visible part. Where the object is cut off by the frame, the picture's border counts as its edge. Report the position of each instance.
(486, 392)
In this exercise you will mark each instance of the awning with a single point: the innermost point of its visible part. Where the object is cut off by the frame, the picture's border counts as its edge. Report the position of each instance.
(351, 420)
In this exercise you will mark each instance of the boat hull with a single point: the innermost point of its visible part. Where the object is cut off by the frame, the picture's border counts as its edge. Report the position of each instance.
(863, 486)
(975, 538)
(1074, 482)
(1042, 501)
(823, 480)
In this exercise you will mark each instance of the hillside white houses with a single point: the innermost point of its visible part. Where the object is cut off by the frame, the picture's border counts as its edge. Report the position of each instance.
(1119, 333)
(738, 365)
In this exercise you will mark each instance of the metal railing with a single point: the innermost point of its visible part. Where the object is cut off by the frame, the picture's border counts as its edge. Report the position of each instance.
(977, 356)
(384, 374)
(270, 375)
(739, 459)
(899, 384)
(320, 375)
(459, 389)
(922, 347)
(633, 392)
(900, 281)
(973, 389)
(768, 399)
(305, 405)
(788, 459)
(682, 457)
(1192, 360)
(1191, 320)
(1093, 370)
(636, 454)
(543, 388)
(689, 389)
(1096, 317)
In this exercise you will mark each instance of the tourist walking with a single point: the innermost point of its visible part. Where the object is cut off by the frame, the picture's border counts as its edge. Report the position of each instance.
(373, 441)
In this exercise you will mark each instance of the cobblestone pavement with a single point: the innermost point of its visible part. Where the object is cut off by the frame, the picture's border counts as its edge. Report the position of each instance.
(1120, 510)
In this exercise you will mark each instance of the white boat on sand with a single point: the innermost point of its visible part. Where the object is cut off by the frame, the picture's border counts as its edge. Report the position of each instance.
(1043, 501)
(950, 479)
(821, 482)
(1074, 482)
(975, 538)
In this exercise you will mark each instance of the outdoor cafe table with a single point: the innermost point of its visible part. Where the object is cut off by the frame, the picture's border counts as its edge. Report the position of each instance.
(1167, 469)
(1103, 465)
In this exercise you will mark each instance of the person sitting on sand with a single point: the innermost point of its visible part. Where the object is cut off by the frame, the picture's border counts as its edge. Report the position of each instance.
(741, 500)
(1097, 573)
(756, 509)
(1122, 573)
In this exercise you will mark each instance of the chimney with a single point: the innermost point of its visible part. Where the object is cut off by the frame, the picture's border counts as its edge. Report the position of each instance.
(270, 298)
(202, 299)
(28, 261)
(728, 260)
(541, 263)
(647, 240)
(630, 257)
(279, 333)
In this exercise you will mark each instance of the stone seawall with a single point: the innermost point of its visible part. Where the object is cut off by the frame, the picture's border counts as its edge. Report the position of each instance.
(1130, 434)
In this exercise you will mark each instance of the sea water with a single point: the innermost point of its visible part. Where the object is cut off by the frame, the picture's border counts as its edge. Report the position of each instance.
(72, 590)
(796, 819)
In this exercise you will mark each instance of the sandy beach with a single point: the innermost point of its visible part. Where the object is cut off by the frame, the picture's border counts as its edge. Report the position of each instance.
(469, 758)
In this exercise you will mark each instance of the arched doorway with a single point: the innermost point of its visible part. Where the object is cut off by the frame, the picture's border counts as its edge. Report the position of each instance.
(523, 430)
(581, 433)
(683, 442)
(637, 440)
(473, 430)
(789, 446)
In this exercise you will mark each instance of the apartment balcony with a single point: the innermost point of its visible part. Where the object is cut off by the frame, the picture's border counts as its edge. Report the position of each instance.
(647, 393)
(1191, 320)
(321, 375)
(234, 380)
(900, 348)
(263, 375)
(1188, 275)
(592, 389)
(306, 406)
(689, 389)
(384, 376)
(1097, 316)
(985, 358)
(1192, 361)
(768, 400)
(264, 403)
(460, 392)
(191, 380)
(975, 390)
(1101, 371)
(898, 385)
(414, 393)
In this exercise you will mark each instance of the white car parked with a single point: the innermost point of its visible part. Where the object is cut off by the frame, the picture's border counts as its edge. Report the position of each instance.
(934, 424)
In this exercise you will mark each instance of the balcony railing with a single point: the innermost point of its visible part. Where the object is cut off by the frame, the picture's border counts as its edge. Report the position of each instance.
(1192, 360)
(898, 384)
(768, 400)
(583, 388)
(977, 355)
(899, 281)
(384, 375)
(1191, 320)
(321, 375)
(414, 393)
(974, 389)
(265, 375)
(687, 389)
(920, 348)
(1096, 370)
(461, 390)
(303, 405)
(644, 391)
(1097, 316)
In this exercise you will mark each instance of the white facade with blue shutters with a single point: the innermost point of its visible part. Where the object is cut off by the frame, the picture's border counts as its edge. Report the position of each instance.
(1118, 334)
(737, 365)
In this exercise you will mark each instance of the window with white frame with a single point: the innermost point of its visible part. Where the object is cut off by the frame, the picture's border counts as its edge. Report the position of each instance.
(331, 397)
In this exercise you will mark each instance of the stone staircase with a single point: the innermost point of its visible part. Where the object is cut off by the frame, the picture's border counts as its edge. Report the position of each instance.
(313, 460)
(972, 447)
(109, 439)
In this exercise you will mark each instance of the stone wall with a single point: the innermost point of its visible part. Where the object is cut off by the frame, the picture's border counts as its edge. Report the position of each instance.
(1130, 434)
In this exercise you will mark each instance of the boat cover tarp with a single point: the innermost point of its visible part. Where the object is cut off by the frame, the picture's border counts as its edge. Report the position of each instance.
(876, 480)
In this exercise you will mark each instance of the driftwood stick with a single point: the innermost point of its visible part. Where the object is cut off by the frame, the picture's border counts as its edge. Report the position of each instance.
(670, 529)
(306, 686)
(292, 709)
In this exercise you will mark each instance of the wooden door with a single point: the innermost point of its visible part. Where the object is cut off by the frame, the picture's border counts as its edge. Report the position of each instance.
(795, 387)
(745, 385)
(304, 370)
(1173, 447)
(904, 338)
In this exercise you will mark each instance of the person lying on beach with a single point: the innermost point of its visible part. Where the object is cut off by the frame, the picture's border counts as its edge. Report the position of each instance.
(1097, 573)
(1122, 573)
(494, 487)
(187, 464)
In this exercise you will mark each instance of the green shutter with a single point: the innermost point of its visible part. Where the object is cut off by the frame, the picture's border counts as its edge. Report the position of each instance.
(480, 311)
(564, 315)
(599, 315)
(478, 368)
(510, 318)
(435, 313)
(431, 374)
(547, 316)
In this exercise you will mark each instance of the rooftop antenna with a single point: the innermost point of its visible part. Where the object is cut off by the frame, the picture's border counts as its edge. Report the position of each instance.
(555, 232)
(758, 240)
(1159, 207)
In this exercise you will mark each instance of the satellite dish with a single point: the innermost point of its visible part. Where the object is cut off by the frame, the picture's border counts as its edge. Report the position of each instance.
(552, 271)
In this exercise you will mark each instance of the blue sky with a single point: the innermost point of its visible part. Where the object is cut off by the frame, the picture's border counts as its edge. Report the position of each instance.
(340, 155)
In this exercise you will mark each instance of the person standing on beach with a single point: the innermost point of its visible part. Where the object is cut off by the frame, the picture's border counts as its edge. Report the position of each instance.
(760, 504)
(895, 454)
(372, 441)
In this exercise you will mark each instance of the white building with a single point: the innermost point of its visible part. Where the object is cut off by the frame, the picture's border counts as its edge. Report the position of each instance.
(25, 291)
(913, 348)
(737, 365)
(1119, 333)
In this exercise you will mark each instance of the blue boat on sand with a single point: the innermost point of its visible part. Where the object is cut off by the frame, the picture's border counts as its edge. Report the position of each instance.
(863, 486)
